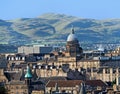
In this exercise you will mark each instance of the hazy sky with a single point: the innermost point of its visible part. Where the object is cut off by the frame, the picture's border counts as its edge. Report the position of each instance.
(96, 9)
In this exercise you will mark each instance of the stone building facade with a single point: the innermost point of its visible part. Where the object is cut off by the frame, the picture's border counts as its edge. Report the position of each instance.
(74, 86)
(105, 74)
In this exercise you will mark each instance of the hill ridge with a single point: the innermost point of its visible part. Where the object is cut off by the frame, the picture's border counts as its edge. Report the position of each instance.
(52, 26)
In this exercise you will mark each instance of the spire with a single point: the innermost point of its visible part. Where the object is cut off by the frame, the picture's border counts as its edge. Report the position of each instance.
(28, 73)
(82, 89)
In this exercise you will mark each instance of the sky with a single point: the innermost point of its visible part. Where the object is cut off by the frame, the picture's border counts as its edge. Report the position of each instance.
(95, 9)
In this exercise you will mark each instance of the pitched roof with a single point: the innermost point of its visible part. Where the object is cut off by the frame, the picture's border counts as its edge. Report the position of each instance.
(73, 83)
(63, 83)
(13, 75)
(47, 79)
(95, 83)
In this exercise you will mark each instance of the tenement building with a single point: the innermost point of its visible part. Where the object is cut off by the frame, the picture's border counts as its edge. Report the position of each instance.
(105, 74)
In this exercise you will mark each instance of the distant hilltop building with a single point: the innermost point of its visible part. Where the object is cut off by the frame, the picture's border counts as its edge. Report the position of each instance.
(101, 48)
(35, 49)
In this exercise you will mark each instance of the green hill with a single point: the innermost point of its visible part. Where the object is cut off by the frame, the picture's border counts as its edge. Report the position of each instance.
(49, 27)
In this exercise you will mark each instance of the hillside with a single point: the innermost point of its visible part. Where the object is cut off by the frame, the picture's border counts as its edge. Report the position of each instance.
(57, 27)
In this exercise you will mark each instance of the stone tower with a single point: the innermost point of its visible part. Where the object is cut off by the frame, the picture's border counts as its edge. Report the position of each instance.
(72, 47)
(28, 77)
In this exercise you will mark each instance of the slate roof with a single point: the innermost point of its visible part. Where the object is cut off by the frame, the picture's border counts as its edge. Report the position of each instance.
(38, 85)
(64, 83)
(47, 79)
(23, 65)
(75, 75)
(73, 83)
(13, 75)
(95, 83)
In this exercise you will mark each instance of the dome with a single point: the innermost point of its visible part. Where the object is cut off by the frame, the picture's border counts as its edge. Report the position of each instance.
(72, 36)
(28, 73)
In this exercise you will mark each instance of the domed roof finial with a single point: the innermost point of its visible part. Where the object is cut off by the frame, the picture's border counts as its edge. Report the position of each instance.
(72, 29)
(72, 36)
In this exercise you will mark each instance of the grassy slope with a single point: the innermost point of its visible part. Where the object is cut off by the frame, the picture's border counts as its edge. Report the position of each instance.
(58, 26)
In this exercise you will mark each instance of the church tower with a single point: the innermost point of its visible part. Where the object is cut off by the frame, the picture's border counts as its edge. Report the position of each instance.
(72, 47)
(28, 77)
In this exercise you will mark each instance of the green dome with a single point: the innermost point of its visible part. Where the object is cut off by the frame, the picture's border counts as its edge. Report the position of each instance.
(28, 73)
